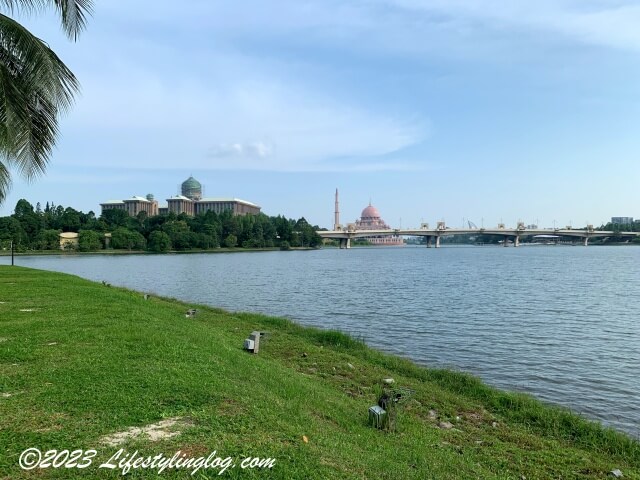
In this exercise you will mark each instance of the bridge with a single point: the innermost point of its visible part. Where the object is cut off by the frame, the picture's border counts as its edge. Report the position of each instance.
(348, 233)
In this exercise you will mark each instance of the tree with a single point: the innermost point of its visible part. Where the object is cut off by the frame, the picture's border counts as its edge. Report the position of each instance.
(35, 87)
(230, 241)
(11, 230)
(23, 208)
(159, 242)
(89, 241)
(30, 221)
(115, 218)
(48, 240)
(285, 245)
(70, 220)
(122, 238)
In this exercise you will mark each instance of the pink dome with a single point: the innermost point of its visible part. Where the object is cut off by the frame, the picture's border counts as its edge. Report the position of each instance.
(370, 212)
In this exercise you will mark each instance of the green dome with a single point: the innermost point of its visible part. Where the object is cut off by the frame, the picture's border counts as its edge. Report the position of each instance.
(191, 188)
(191, 183)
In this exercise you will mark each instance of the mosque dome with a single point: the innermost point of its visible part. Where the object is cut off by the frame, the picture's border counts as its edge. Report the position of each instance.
(191, 188)
(370, 220)
(370, 212)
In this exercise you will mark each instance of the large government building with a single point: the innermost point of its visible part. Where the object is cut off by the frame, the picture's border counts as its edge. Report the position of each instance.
(190, 202)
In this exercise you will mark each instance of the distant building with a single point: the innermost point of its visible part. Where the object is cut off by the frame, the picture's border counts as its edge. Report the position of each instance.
(180, 204)
(219, 205)
(192, 189)
(370, 220)
(622, 220)
(134, 205)
(113, 205)
(189, 202)
(68, 241)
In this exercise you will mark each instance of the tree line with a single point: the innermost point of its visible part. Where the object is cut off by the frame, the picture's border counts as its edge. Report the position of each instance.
(37, 228)
(622, 227)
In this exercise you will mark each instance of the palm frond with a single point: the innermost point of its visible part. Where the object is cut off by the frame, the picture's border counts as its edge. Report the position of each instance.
(5, 181)
(14, 6)
(35, 142)
(73, 13)
(35, 85)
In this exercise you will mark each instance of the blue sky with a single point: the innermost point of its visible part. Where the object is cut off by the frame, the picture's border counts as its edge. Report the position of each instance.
(433, 109)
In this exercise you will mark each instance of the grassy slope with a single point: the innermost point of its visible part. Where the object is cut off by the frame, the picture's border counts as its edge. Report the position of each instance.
(121, 361)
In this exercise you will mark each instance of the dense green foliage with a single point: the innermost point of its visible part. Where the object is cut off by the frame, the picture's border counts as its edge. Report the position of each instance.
(37, 229)
(36, 87)
(159, 242)
(81, 360)
(89, 241)
(620, 227)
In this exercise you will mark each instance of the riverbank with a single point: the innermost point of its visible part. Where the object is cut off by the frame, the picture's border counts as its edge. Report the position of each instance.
(6, 253)
(82, 360)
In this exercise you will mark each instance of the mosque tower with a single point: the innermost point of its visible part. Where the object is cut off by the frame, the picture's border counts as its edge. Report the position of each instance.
(336, 218)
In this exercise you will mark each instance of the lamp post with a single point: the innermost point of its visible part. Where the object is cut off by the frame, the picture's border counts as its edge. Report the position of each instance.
(12, 261)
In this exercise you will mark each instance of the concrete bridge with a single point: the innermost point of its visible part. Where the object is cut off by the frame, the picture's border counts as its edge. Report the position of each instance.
(346, 234)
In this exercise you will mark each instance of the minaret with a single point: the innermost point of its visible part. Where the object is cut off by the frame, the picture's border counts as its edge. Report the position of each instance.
(336, 219)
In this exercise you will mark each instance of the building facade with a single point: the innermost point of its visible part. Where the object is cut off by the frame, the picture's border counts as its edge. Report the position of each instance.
(622, 220)
(68, 241)
(134, 205)
(219, 205)
(189, 202)
(180, 204)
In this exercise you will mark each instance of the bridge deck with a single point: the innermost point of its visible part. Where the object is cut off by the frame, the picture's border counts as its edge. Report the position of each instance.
(507, 232)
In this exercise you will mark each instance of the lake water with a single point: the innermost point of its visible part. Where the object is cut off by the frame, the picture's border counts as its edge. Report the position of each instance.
(559, 322)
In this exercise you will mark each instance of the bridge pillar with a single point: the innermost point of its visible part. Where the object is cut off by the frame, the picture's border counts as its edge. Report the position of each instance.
(348, 243)
(506, 241)
(516, 241)
(437, 241)
(428, 241)
(586, 241)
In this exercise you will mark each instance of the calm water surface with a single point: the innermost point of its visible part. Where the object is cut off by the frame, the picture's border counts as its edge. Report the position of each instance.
(558, 322)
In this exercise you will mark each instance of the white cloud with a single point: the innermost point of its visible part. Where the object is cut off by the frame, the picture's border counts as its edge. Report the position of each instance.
(611, 23)
(241, 150)
(163, 102)
(245, 118)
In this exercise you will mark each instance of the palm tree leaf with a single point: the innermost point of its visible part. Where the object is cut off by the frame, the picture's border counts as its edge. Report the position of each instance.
(36, 62)
(12, 101)
(28, 5)
(36, 139)
(35, 86)
(73, 13)
(5, 181)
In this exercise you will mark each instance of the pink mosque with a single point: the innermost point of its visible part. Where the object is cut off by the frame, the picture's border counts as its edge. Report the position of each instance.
(370, 219)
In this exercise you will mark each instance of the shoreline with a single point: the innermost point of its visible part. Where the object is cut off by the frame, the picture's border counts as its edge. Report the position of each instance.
(4, 253)
(325, 368)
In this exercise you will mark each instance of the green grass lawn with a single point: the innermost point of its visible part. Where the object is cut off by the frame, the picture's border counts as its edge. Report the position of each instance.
(89, 360)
